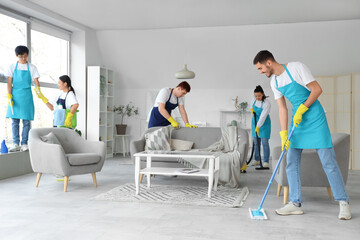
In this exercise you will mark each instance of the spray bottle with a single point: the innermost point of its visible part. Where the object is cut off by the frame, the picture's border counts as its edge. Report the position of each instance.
(4, 148)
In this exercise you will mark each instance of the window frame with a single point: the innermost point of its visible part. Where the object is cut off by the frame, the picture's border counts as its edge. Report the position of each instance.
(33, 23)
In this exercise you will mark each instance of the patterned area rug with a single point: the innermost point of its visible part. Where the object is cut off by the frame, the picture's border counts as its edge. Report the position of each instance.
(186, 195)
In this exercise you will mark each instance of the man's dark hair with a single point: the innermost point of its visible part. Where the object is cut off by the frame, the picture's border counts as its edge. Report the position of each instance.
(184, 85)
(21, 50)
(263, 56)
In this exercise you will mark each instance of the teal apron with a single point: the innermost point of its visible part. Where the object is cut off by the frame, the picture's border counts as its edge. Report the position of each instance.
(22, 95)
(313, 131)
(61, 114)
(156, 119)
(265, 129)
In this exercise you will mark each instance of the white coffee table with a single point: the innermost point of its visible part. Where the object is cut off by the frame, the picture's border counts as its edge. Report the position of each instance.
(212, 173)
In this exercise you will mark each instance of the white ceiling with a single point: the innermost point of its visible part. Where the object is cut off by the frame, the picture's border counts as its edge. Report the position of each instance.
(158, 14)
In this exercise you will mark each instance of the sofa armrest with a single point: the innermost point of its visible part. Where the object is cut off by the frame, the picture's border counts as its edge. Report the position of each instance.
(341, 144)
(136, 146)
(243, 145)
(97, 147)
(280, 176)
(243, 149)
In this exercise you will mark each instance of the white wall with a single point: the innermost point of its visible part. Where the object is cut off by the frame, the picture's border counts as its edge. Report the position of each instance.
(222, 59)
(84, 52)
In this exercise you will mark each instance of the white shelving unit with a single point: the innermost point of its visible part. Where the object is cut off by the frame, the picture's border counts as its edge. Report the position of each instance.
(100, 102)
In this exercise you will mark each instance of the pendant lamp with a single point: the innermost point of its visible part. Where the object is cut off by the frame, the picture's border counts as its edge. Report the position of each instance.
(185, 74)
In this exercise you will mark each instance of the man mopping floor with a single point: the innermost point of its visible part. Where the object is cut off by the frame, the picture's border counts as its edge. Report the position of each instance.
(295, 82)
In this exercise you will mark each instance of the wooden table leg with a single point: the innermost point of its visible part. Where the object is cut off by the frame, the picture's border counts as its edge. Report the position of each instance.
(286, 194)
(38, 179)
(278, 190)
(329, 191)
(66, 181)
(94, 179)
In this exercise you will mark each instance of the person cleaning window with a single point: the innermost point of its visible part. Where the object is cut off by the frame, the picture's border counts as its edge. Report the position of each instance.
(166, 101)
(64, 104)
(261, 107)
(295, 82)
(20, 99)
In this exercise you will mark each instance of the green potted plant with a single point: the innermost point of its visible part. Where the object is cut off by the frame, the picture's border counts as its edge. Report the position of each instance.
(243, 106)
(124, 110)
(242, 110)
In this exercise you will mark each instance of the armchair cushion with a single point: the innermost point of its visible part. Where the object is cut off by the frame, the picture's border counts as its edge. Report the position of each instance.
(50, 138)
(158, 139)
(78, 159)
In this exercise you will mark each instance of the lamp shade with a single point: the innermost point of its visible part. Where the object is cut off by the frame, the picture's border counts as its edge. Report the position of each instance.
(185, 74)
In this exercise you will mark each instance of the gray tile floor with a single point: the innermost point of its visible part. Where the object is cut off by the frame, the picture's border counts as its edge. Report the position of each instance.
(47, 212)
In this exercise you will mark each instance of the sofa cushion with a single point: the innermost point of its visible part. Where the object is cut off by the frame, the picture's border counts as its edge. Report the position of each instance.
(77, 159)
(158, 139)
(50, 138)
(202, 137)
(181, 145)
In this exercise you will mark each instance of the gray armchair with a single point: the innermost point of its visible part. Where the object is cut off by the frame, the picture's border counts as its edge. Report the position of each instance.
(73, 156)
(312, 173)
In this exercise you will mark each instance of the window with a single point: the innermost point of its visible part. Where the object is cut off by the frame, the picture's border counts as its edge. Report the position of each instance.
(50, 55)
(49, 52)
(11, 31)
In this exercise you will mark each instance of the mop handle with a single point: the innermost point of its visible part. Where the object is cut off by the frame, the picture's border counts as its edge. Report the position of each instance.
(275, 170)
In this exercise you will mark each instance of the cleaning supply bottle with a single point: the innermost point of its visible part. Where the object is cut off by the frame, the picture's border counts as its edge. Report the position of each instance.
(4, 148)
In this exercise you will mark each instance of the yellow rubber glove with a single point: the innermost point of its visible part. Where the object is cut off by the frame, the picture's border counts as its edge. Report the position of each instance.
(10, 101)
(188, 125)
(68, 120)
(298, 115)
(257, 129)
(174, 124)
(284, 140)
(252, 110)
(40, 95)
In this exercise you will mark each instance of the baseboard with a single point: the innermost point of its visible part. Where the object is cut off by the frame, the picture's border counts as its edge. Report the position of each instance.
(14, 164)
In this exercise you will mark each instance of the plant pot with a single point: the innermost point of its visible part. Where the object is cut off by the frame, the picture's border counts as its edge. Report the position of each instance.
(121, 129)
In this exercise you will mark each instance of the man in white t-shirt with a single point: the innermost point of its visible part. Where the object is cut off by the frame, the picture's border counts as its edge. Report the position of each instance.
(20, 100)
(295, 82)
(166, 101)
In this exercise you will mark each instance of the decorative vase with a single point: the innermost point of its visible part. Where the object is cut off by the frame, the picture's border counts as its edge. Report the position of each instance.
(121, 129)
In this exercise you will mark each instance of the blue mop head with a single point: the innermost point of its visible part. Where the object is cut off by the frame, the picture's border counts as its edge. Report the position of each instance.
(257, 214)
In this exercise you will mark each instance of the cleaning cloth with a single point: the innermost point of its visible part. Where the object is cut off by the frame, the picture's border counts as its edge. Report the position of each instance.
(59, 117)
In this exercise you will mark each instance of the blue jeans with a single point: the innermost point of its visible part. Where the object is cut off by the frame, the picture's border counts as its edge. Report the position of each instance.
(25, 131)
(266, 149)
(330, 166)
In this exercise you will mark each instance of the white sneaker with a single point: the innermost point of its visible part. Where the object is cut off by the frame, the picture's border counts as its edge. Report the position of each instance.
(14, 148)
(24, 148)
(344, 213)
(289, 209)
(254, 163)
(266, 164)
